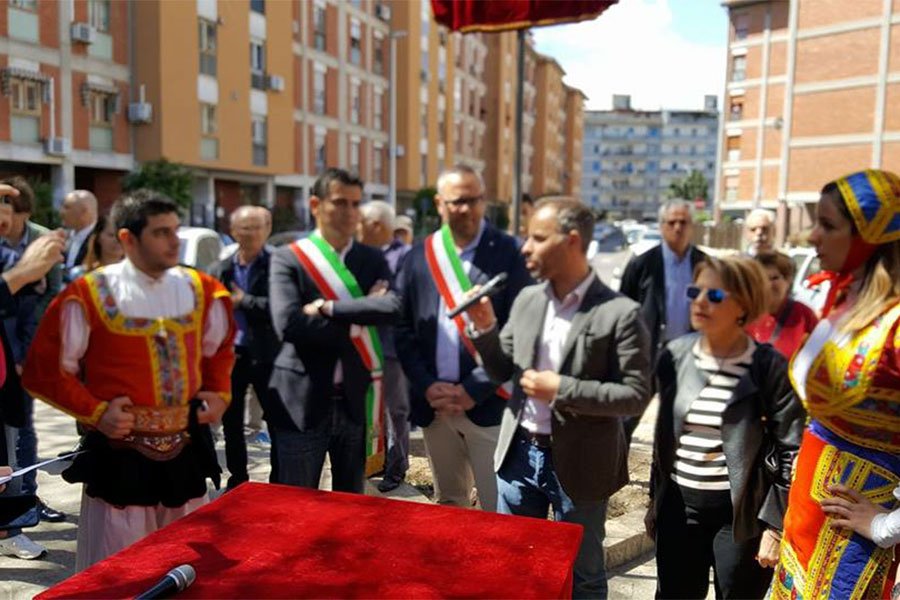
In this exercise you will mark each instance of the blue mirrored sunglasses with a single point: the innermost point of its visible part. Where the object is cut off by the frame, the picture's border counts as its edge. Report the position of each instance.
(714, 295)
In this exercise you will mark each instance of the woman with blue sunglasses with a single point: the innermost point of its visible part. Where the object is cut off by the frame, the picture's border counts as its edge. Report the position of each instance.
(729, 426)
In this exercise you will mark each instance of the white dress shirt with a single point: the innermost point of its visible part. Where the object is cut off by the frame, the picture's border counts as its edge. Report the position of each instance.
(77, 240)
(446, 352)
(536, 416)
(141, 296)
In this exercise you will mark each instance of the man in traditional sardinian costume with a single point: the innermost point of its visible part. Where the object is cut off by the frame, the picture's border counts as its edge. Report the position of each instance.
(140, 352)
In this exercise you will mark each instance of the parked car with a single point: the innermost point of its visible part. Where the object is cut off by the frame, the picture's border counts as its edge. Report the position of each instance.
(200, 247)
(807, 263)
(607, 238)
(646, 239)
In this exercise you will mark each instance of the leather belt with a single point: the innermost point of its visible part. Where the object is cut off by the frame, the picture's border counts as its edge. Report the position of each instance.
(541, 440)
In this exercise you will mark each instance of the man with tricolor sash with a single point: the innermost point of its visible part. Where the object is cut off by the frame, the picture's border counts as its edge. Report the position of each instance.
(451, 397)
(327, 295)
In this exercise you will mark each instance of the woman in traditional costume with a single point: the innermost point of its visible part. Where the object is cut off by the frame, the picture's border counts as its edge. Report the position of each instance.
(848, 376)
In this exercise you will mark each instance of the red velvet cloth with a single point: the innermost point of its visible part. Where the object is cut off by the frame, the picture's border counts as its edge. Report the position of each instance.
(504, 15)
(273, 541)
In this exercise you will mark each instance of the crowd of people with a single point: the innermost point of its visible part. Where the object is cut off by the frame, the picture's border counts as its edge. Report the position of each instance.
(778, 430)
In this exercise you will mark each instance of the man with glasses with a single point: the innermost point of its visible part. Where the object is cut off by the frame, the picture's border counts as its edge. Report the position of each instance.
(658, 278)
(324, 292)
(452, 397)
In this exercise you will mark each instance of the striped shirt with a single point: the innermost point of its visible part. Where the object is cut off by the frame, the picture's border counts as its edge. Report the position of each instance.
(700, 459)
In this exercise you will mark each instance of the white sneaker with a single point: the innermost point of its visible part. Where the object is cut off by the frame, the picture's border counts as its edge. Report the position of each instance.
(22, 547)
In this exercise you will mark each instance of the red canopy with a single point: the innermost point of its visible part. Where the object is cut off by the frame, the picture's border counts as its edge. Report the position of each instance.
(504, 15)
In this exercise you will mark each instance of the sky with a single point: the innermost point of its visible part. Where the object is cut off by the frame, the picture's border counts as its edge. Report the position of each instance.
(664, 53)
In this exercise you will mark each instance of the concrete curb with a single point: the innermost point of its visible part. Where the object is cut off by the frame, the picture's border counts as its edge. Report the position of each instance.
(626, 539)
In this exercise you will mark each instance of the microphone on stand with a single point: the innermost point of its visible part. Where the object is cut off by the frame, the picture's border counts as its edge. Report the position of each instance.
(176, 580)
(489, 289)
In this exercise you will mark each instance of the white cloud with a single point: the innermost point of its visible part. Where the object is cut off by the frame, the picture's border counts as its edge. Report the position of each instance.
(633, 48)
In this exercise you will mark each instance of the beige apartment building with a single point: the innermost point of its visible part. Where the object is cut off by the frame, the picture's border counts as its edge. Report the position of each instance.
(812, 93)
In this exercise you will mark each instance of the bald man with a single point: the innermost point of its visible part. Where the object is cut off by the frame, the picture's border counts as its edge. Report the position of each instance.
(79, 216)
(246, 274)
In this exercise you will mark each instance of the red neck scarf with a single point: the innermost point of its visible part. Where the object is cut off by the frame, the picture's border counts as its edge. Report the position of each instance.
(860, 251)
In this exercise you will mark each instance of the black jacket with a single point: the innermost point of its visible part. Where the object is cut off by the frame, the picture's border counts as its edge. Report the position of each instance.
(416, 333)
(761, 430)
(644, 281)
(260, 339)
(303, 377)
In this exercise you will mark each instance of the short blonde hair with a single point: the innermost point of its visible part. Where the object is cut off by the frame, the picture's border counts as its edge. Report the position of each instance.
(743, 278)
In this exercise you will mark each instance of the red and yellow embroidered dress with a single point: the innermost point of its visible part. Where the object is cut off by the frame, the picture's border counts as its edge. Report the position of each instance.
(850, 386)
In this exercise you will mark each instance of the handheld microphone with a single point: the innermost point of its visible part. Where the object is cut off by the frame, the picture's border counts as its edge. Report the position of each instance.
(176, 580)
(489, 289)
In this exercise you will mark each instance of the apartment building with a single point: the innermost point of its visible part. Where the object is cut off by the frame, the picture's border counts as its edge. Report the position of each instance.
(632, 156)
(64, 68)
(812, 93)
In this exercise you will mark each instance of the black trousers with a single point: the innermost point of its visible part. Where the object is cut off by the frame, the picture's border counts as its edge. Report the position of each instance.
(246, 372)
(690, 541)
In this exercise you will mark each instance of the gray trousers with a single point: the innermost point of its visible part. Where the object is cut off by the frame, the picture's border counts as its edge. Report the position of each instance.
(396, 400)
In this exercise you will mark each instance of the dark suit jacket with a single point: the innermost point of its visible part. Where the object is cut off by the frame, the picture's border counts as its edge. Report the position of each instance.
(644, 281)
(12, 396)
(605, 375)
(259, 339)
(416, 334)
(302, 379)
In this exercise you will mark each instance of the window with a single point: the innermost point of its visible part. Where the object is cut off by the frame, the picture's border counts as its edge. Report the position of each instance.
(102, 107)
(442, 127)
(423, 169)
(319, 92)
(258, 6)
(736, 110)
(741, 26)
(98, 15)
(733, 147)
(319, 27)
(378, 165)
(423, 71)
(354, 157)
(320, 152)
(738, 68)
(378, 56)
(423, 113)
(209, 129)
(378, 110)
(258, 64)
(207, 47)
(25, 119)
(259, 134)
(354, 103)
(731, 188)
(24, 4)
(355, 42)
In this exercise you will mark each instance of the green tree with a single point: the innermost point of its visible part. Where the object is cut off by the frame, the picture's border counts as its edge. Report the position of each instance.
(172, 179)
(43, 212)
(693, 187)
(427, 218)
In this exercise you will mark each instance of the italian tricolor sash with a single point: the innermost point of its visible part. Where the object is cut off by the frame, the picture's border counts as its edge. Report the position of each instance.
(452, 282)
(336, 282)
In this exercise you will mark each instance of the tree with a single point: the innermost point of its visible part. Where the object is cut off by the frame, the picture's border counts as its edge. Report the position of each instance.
(693, 187)
(43, 212)
(172, 179)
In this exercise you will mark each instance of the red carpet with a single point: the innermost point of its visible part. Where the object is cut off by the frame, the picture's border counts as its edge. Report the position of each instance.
(272, 541)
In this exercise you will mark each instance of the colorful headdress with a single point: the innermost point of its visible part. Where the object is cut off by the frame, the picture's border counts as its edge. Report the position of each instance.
(873, 199)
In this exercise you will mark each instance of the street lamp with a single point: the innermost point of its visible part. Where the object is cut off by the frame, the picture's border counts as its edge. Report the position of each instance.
(392, 135)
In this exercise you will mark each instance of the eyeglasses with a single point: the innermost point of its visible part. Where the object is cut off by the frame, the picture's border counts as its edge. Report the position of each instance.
(674, 222)
(463, 201)
(344, 204)
(714, 295)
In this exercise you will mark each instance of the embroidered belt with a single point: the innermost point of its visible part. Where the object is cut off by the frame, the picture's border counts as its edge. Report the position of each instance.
(155, 447)
(159, 420)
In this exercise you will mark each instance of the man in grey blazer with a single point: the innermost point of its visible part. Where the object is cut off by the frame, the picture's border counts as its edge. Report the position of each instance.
(579, 355)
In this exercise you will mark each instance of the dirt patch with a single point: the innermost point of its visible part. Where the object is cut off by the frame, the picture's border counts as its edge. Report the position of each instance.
(632, 497)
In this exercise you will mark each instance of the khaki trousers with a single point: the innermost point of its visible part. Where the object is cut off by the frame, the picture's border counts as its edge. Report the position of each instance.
(461, 453)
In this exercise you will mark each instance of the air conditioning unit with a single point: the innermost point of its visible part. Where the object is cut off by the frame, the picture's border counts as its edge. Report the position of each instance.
(275, 83)
(83, 32)
(383, 12)
(57, 146)
(140, 112)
